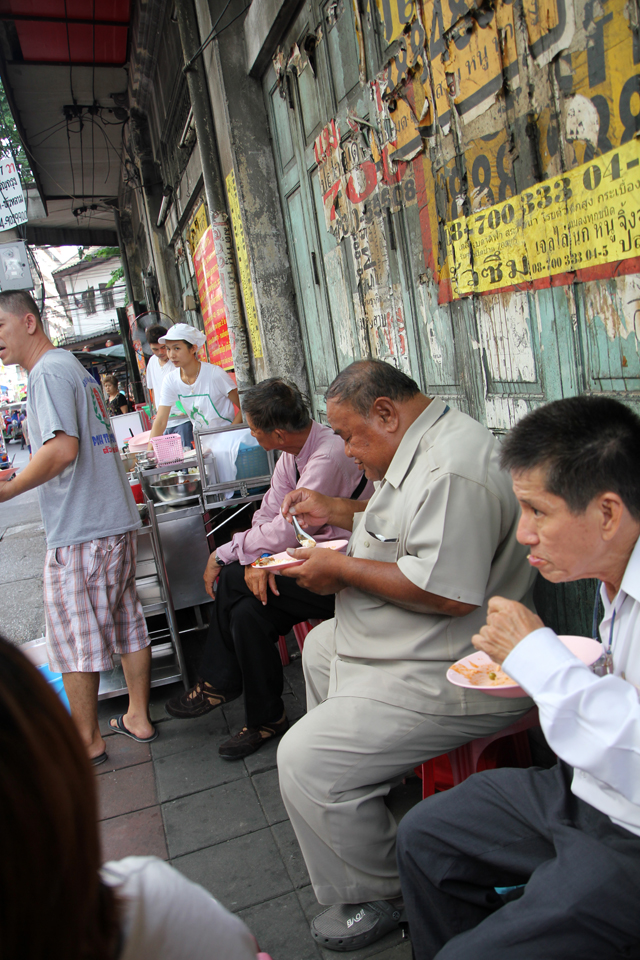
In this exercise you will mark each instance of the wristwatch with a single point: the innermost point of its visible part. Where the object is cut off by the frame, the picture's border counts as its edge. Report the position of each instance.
(218, 560)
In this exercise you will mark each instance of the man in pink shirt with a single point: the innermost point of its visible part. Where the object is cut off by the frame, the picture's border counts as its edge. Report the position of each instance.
(253, 607)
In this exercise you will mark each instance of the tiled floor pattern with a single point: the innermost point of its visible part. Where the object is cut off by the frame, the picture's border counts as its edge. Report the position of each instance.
(221, 823)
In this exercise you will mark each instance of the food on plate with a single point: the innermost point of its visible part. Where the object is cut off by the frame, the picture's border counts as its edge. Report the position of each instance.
(484, 675)
(264, 561)
(307, 542)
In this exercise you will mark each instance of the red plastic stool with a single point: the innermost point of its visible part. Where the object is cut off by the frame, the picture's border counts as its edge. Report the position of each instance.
(468, 759)
(300, 631)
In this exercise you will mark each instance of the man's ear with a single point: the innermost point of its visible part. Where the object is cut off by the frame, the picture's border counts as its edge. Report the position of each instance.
(611, 510)
(31, 323)
(385, 410)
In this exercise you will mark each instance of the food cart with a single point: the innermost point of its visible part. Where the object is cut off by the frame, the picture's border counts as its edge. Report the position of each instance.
(186, 502)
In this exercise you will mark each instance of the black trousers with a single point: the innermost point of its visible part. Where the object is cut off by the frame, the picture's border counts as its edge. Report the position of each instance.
(507, 827)
(241, 651)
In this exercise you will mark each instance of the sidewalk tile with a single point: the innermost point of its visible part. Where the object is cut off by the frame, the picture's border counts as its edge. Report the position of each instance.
(291, 854)
(268, 789)
(211, 816)
(123, 752)
(178, 735)
(263, 759)
(139, 834)
(281, 928)
(294, 708)
(239, 873)
(123, 791)
(392, 942)
(180, 774)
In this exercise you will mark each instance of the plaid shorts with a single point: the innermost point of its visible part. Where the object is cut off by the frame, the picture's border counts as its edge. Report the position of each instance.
(91, 605)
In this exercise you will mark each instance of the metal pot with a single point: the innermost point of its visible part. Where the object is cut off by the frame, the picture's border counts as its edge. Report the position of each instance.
(128, 461)
(169, 489)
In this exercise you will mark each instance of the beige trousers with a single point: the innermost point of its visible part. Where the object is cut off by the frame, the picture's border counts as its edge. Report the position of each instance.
(338, 763)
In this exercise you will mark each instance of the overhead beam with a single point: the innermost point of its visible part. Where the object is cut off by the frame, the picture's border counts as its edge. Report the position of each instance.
(63, 236)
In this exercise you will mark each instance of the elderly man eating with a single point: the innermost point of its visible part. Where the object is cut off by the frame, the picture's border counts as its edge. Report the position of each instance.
(436, 540)
(572, 833)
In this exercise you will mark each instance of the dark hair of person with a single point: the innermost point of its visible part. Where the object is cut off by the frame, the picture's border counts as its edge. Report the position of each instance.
(52, 902)
(110, 378)
(276, 404)
(18, 303)
(586, 445)
(154, 332)
(363, 382)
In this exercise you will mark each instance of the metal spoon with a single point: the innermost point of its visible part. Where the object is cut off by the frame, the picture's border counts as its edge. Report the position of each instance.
(302, 537)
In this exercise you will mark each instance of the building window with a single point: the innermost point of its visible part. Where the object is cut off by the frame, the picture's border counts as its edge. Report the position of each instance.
(89, 300)
(107, 296)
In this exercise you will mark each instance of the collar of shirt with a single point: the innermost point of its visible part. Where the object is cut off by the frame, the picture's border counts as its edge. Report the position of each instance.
(630, 586)
(404, 455)
(309, 446)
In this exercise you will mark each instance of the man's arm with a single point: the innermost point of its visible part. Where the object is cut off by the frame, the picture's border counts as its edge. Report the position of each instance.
(235, 400)
(592, 723)
(327, 571)
(314, 509)
(50, 461)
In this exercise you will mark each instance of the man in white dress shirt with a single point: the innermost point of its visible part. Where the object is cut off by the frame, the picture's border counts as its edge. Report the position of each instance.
(570, 834)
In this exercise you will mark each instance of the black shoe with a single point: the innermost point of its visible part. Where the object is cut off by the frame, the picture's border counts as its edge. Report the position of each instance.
(350, 926)
(201, 699)
(250, 739)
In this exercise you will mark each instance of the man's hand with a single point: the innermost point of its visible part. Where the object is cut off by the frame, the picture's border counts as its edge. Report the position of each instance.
(256, 578)
(311, 509)
(508, 622)
(321, 572)
(210, 575)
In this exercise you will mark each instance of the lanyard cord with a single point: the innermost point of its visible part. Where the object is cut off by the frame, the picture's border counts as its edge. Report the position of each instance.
(596, 610)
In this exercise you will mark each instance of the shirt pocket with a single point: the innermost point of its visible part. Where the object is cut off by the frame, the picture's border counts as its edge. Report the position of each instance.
(378, 540)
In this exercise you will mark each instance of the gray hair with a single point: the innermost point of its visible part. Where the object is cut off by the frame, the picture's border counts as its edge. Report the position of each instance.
(363, 382)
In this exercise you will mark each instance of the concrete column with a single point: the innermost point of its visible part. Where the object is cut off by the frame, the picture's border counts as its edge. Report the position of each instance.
(214, 190)
(246, 154)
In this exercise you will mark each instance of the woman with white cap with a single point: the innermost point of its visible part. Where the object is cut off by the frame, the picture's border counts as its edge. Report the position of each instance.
(204, 392)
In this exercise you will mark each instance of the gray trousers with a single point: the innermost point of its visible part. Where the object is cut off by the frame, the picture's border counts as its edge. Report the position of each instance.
(509, 827)
(338, 763)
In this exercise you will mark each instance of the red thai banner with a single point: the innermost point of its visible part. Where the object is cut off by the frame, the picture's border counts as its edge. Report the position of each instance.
(211, 301)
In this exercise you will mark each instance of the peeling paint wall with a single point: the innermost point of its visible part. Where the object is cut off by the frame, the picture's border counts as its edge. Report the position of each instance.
(461, 188)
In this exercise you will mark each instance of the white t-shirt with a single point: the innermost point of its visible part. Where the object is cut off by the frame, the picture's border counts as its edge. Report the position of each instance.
(166, 916)
(205, 402)
(155, 377)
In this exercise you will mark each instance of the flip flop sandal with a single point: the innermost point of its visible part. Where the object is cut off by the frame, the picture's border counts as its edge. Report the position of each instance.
(96, 761)
(120, 728)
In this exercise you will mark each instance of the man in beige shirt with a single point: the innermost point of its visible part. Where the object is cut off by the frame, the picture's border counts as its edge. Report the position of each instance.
(436, 540)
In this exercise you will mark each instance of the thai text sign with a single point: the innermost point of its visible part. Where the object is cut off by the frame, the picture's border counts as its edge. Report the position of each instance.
(244, 269)
(587, 217)
(211, 301)
(13, 207)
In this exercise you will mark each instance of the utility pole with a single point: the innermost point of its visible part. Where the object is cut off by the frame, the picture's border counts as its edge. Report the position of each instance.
(213, 188)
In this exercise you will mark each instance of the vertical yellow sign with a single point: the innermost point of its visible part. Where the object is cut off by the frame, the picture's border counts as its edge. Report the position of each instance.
(243, 267)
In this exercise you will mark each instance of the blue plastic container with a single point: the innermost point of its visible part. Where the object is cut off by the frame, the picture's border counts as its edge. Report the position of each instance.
(55, 679)
(252, 461)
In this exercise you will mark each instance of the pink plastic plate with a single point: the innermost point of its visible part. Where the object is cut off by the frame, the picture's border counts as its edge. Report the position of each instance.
(584, 648)
(283, 560)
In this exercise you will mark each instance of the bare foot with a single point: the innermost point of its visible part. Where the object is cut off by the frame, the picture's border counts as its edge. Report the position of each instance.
(138, 726)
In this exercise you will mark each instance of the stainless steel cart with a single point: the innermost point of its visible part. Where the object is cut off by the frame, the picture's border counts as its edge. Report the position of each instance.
(152, 583)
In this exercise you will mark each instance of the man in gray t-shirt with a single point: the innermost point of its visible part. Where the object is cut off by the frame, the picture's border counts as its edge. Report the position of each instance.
(91, 522)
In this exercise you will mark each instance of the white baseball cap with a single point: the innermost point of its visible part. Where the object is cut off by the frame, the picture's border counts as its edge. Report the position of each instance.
(184, 331)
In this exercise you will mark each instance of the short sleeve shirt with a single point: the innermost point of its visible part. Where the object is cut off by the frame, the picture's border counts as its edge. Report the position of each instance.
(91, 498)
(155, 378)
(206, 402)
(446, 514)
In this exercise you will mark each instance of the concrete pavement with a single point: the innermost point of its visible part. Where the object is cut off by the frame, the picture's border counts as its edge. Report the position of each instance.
(22, 550)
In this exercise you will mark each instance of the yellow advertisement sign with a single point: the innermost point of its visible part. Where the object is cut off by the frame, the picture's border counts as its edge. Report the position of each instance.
(244, 269)
(586, 218)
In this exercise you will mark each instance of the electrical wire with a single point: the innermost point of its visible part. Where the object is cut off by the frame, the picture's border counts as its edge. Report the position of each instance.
(207, 40)
(66, 17)
(73, 176)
